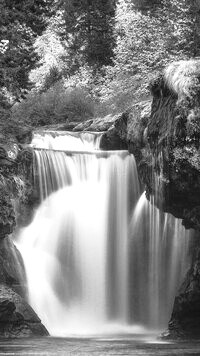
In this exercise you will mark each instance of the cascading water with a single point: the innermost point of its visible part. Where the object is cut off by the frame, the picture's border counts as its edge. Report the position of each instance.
(97, 257)
(160, 258)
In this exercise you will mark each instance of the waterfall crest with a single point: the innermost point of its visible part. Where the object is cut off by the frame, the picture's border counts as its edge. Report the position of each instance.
(95, 251)
(71, 141)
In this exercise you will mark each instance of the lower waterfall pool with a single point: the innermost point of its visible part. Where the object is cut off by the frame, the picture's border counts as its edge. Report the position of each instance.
(136, 345)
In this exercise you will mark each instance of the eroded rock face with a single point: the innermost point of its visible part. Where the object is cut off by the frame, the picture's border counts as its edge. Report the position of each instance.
(100, 124)
(173, 134)
(171, 140)
(12, 272)
(165, 138)
(185, 319)
(17, 318)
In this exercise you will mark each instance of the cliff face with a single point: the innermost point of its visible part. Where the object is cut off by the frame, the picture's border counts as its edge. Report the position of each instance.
(173, 134)
(17, 319)
(165, 139)
(185, 319)
(164, 136)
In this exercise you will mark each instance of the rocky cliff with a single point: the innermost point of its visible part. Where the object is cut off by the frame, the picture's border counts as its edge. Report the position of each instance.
(165, 138)
(17, 319)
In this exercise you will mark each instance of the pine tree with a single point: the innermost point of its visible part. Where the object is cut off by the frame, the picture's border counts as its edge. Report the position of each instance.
(149, 35)
(21, 22)
(87, 32)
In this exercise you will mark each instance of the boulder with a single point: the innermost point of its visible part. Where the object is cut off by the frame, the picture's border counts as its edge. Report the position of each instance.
(112, 141)
(17, 318)
(65, 126)
(12, 271)
(185, 319)
(99, 124)
(7, 213)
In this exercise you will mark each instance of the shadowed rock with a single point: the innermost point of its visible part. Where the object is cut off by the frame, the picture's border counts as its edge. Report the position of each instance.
(17, 318)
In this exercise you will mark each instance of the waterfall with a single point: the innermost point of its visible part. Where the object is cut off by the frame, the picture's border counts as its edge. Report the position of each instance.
(160, 258)
(76, 141)
(98, 257)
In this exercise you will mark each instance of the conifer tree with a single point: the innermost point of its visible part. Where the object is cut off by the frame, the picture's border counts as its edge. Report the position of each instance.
(21, 22)
(88, 32)
(149, 35)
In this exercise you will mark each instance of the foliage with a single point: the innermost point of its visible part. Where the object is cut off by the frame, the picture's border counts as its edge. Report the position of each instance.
(49, 49)
(21, 22)
(146, 41)
(57, 104)
(183, 78)
(87, 31)
(101, 52)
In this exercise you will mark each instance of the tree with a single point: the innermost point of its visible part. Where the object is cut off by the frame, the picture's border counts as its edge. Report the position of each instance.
(21, 22)
(50, 65)
(148, 36)
(88, 32)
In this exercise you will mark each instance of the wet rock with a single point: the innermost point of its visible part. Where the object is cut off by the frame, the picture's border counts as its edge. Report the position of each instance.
(98, 124)
(130, 128)
(24, 135)
(12, 271)
(164, 136)
(185, 319)
(8, 152)
(17, 318)
(166, 145)
(83, 126)
(173, 135)
(7, 213)
(66, 126)
(112, 141)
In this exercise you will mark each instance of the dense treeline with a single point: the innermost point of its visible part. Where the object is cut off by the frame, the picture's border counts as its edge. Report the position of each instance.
(73, 59)
(21, 22)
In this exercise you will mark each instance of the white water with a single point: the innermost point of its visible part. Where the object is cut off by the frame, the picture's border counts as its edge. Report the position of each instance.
(160, 259)
(95, 260)
(76, 141)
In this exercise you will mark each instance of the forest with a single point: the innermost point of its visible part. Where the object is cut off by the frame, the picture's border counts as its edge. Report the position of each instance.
(69, 60)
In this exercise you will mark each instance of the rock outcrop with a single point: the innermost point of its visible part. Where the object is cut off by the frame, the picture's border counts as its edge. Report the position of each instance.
(185, 319)
(166, 144)
(17, 318)
(164, 136)
(12, 273)
(100, 124)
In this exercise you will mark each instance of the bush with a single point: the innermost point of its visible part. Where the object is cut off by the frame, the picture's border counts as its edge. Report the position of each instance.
(56, 105)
